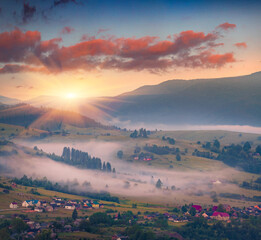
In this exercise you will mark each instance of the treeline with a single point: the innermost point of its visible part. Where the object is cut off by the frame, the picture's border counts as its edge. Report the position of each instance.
(161, 150)
(240, 197)
(241, 156)
(169, 140)
(81, 159)
(256, 185)
(236, 230)
(142, 133)
(234, 155)
(203, 154)
(48, 185)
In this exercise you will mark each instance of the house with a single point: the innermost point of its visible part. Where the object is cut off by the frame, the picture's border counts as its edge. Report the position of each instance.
(220, 216)
(87, 205)
(69, 206)
(37, 209)
(204, 215)
(30, 203)
(13, 205)
(95, 204)
(197, 207)
(43, 203)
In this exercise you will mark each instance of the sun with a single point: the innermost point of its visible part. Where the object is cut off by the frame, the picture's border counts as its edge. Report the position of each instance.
(70, 95)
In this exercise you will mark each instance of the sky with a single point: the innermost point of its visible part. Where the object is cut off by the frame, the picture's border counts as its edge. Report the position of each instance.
(92, 48)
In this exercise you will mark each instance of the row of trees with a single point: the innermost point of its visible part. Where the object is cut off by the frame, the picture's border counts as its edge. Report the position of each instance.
(64, 188)
(161, 150)
(169, 140)
(142, 133)
(82, 159)
(234, 155)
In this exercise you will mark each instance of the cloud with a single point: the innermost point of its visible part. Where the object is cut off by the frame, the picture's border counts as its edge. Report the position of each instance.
(226, 26)
(67, 30)
(28, 87)
(14, 68)
(241, 45)
(28, 12)
(59, 2)
(26, 50)
(101, 30)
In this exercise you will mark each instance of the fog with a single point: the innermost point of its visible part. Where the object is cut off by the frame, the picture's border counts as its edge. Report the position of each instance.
(187, 127)
(130, 180)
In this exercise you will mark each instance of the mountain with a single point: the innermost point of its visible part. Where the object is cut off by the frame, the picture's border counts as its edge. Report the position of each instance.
(44, 118)
(224, 101)
(9, 101)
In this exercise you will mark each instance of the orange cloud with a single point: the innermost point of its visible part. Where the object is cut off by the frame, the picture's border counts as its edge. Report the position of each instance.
(14, 68)
(67, 30)
(186, 49)
(241, 45)
(227, 26)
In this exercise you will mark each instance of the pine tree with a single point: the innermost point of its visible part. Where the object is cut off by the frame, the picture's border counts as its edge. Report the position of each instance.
(108, 167)
(74, 214)
(159, 184)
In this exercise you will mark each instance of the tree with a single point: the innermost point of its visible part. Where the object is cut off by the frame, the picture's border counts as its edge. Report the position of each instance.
(178, 157)
(108, 167)
(4, 234)
(184, 209)
(216, 144)
(74, 214)
(134, 134)
(159, 184)
(120, 154)
(258, 149)
(247, 147)
(100, 217)
(44, 235)
(220, 208)
(208, 145)
(192, 211)
(18, 225)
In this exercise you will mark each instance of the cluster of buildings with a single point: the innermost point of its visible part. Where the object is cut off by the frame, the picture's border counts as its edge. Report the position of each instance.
(43, 206)
(211, 213)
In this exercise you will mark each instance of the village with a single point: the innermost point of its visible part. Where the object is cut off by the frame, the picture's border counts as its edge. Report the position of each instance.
(180, 214)
(44, 206)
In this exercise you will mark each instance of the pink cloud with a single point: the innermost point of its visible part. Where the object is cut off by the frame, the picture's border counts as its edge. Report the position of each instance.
(227, 26)
(241, 45)
(67, 30)
(191, 49)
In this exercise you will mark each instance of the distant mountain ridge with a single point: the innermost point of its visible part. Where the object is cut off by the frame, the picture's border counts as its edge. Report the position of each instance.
(226, 101)
(44, 118)
(9, 101)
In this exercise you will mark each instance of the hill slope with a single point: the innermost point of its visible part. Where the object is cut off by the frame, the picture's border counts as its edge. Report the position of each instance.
(44, 118)
(234, 100)
(9, 101)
